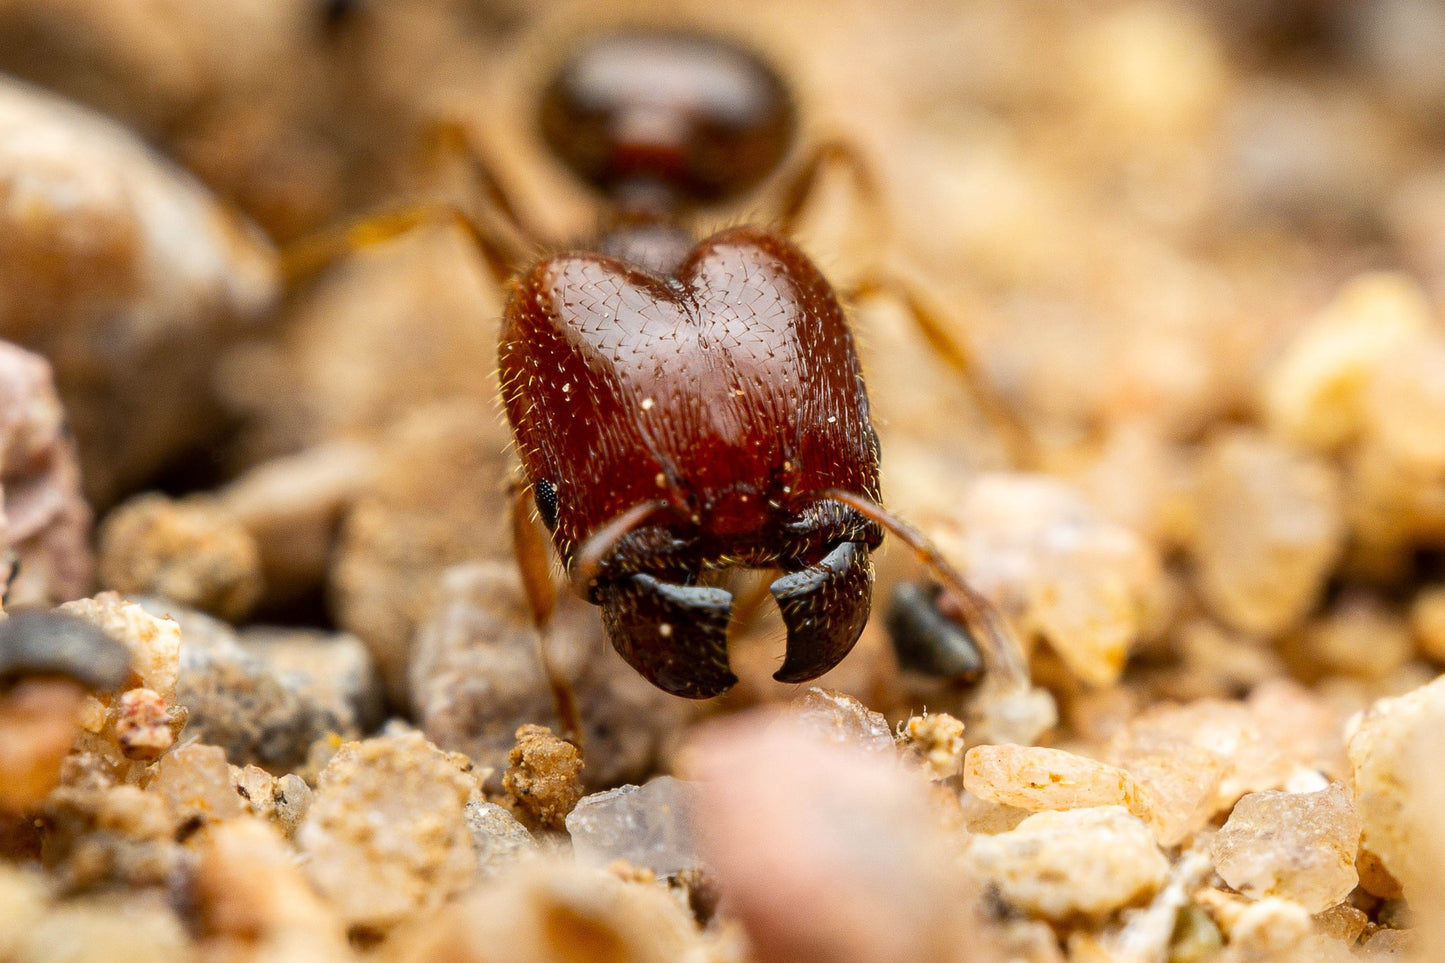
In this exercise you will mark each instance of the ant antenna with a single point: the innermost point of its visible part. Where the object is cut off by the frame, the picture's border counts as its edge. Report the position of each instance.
(1000, 648)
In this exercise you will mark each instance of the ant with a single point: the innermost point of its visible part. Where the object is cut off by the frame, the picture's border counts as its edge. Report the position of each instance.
(682, 406)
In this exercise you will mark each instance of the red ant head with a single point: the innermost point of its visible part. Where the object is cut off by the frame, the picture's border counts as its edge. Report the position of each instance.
(671, 426)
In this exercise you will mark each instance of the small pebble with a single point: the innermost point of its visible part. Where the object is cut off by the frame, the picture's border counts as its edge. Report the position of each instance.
(196, 781)
(1037, 779)
(1342, 922)
(543, 776)
(649, 825)
(476, 676)
(1271, 928)
(262, 701)
(1077, 863)
(1398, 786)
(1300, 846)
(839, 718)
(499, 839)
(154, 643)
(937, 739)
(386, 833)
(143, 726)
(109, 835)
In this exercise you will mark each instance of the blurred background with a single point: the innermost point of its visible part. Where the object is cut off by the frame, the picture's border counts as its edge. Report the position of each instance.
(1156, 190)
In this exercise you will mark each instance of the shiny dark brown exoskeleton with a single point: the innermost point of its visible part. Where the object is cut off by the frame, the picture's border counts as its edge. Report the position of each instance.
(705, 393)
(682, 406)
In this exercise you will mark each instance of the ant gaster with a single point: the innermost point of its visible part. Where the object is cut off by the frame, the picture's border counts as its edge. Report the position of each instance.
(683, 405)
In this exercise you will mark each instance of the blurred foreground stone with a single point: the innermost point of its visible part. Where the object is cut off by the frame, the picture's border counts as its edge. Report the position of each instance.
(787, 820)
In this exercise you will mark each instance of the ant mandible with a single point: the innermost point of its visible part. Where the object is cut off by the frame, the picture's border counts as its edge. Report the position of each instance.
(681, 406)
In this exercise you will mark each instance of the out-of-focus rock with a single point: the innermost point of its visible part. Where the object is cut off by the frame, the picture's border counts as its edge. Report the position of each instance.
(127, 275)
(648, 825)
(253, 899)
(556, 912)
(1216, 662)
(437, 499)
(1268, 532)
(1427, 622)
(292, 507)
(783, 815)
(1359, 636)
(543, 776)
(124, 928)
(38, 717)
(1315, 395)
(189, 551)
(1392, 509)
(1076, 863)
(1055, 564)
(266, 695)
(23, 902)
(386, 333)
(386, 834)
(1300, 846)
(499, 839)
(1309, 153)
(1405, 404)
(476, 676)
(1398, 789)
(334, 667)
(46, 522)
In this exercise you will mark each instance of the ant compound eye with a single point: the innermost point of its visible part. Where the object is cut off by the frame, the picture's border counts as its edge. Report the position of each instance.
(544, 493)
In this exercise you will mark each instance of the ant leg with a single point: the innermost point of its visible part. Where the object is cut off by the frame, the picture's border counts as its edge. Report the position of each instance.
(535, 569)
(1003, 656)
(308, 256)
(798, 190)
(452, 137)
(928, 319)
